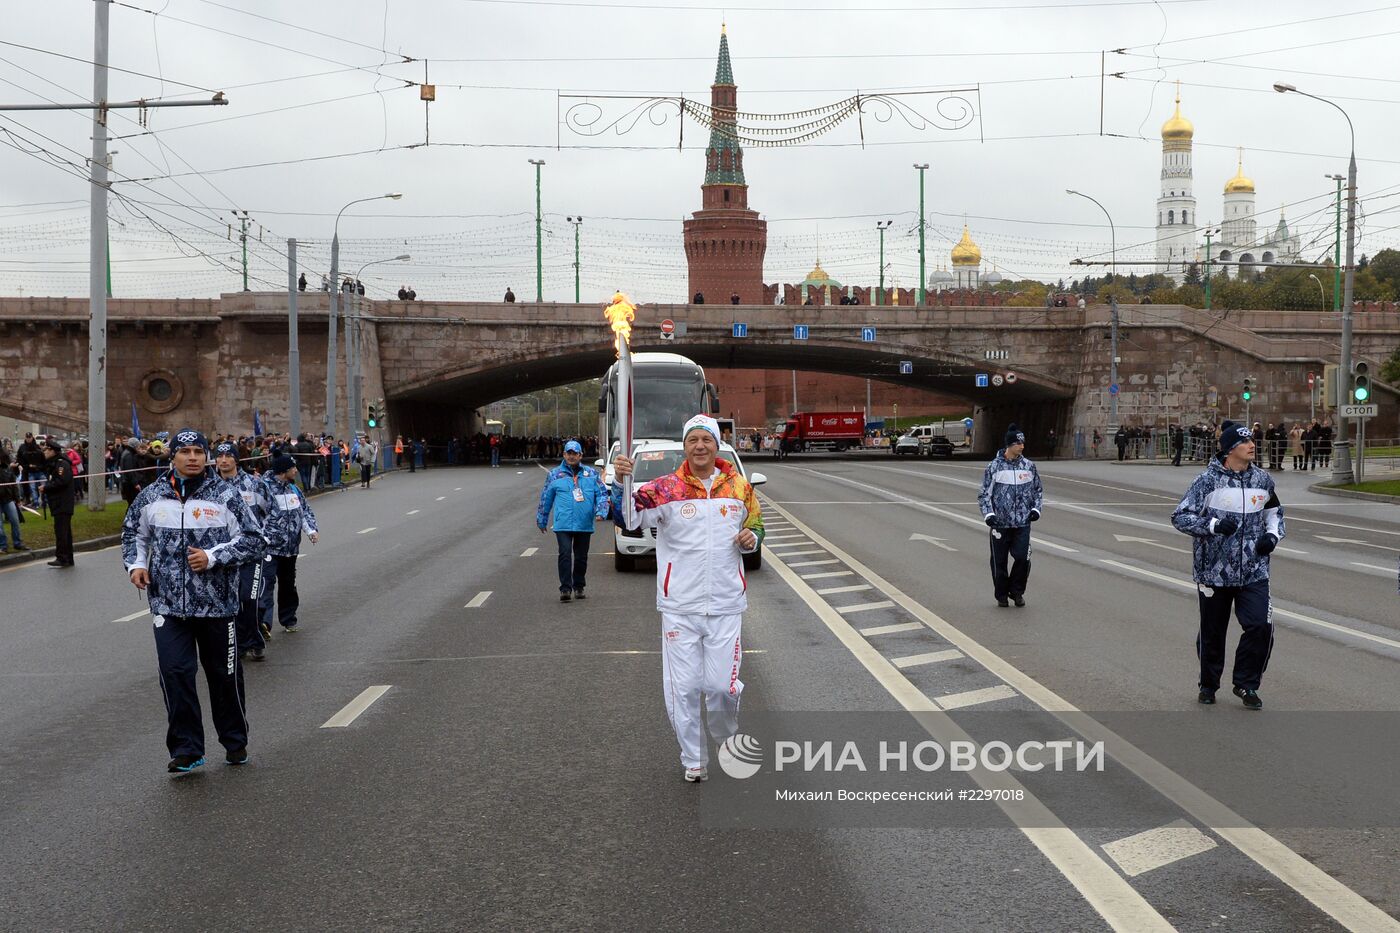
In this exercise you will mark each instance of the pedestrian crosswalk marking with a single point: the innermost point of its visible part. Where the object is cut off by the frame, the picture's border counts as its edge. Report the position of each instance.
(782, 537)
(802, 543)
(811, 563)
(853, 588)
(478, 600)
(829, 573)
(914, 660)
(355, 707)
(891, 629)
(805, 554)
(975, 697)
(863, 607)
(1142, 852)
(529, 552)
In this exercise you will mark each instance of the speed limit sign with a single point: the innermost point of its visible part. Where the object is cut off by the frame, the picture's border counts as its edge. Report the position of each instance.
(997, 379)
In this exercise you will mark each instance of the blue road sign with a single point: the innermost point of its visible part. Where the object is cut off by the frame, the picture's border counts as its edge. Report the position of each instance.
(740, 330)
(799, 332)
(906, 367)
(867, 334)
(983, 380)
(1113, 389)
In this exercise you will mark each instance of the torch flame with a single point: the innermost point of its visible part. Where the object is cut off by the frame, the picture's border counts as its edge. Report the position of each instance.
(620, 314)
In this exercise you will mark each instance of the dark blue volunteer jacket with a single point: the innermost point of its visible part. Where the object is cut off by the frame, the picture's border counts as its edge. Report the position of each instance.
(1230, 560)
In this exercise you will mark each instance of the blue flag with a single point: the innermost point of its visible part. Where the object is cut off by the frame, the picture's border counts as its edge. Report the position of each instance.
(135, 422)
(257, 423)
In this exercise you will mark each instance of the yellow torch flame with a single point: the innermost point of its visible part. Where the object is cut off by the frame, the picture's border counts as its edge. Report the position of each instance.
(620, 314)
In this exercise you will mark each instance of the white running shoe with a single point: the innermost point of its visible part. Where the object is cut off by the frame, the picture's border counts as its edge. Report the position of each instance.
(694, 775)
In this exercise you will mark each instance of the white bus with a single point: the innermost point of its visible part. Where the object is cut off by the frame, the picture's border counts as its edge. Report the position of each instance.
(667, 391)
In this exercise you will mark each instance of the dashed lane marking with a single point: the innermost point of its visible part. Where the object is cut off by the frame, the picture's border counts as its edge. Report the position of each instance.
(863, 607)
(439, 498)
(782, 537)
(529, 552)
(355, 707)
(365, 531)
(891, 629)
(478, 600)
(1385, 570)
(413, 512)
(807, 554)
(976, 697)
(829, 573)
(1142, 852)
(810, 563)
(931, 657)
(853, 588)
(457, 489)
(803, 543)
(134, 615)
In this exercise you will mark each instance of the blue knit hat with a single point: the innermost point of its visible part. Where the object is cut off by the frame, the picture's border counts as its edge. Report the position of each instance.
(1014, 435)
(282, 463)
(1232, 433)
(189, 438)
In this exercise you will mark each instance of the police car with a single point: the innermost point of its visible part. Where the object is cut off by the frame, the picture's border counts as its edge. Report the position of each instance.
(657, 458)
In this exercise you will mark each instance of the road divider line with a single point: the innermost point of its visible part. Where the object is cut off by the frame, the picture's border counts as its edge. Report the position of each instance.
(1289, 613)
(413, 511)
(1358, 563)
(1154, 848)
(134, 615)
(931, 657)
(1324, 892)
(1107, 892)
(456, 488)
(891, 629)
(853, 588)
(365, 531)
(355, 707)
(976, 697)
(827, 574)
(439, 498)
(478, 600)
(863, 607)
(529, 552)
(811, 563)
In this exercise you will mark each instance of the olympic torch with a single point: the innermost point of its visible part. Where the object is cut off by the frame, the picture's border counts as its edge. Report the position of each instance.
(620, 314)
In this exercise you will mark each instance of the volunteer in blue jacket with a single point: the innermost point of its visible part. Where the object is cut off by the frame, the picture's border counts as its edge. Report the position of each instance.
(285, 515)
(578, 498)
(1011, 498)
(1234, 514)
(183, 540)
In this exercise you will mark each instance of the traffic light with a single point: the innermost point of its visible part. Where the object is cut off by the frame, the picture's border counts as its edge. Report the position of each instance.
(1360, 383)
(1247, 392)
(1331, 390)
(373, 418)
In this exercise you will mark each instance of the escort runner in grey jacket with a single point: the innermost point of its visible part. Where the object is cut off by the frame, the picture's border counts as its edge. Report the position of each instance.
(1221, 495)
(1011, 491)
(285, 514)
(159, 529)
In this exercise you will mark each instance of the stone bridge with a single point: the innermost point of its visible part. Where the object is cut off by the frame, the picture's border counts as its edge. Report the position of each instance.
(210, 362)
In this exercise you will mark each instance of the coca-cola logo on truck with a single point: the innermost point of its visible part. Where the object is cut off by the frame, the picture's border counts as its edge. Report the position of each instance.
(831, 421)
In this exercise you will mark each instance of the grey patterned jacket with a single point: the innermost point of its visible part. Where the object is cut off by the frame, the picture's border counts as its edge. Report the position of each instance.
(1249, 496)
(285, 513)
(1010, 491)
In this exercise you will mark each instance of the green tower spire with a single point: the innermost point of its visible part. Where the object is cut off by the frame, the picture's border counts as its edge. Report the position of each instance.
(724, 159)
(724, 73)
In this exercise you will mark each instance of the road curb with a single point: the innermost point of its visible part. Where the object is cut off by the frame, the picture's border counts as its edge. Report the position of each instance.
(1352, 494)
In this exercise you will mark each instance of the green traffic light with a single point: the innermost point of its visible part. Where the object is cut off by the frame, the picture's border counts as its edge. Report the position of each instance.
(1362, 393)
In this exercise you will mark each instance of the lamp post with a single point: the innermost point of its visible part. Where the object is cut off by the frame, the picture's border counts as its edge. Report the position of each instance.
(1321, 292)
(1337, 249)
(1209, 233)
(1112, 317)
(539, 235)
(1341, 449)
(355, 377)
(922, 167)
(335, 308)
(576, 221)
(882, 226)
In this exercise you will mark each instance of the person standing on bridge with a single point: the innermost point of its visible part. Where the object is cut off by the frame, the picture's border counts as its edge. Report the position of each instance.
(706, 517)
(577, 497)
(1234, 514)
(1010, 500)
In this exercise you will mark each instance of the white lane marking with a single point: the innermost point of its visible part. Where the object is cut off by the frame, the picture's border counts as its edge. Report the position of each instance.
(803, 543)
(936, 542)
(931, 657)
(1317, 521)
(1065, 850)
(478, 600)
(439, 498)
(1320, 623)
(1149, 541)
(1290, 550)
(891, 629)
(365, 531)
(811, 563)
(355, 707)
(1383, 547)
(1038, 542)
(828, 574)
(853, 588)
(529, 552)
(1142, 852)
(457, 489)
(976, 697)
(1070, 479)
(1104, 889)
(413, 512)
(863, 607)
(781, 537)
(134, 615)
(806, 554)
(1385, 570)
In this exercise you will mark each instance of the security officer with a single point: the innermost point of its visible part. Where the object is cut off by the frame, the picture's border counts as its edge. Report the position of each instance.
(183, 540)
(286, 514)
(58, 490)
(1234, 514)
(1010, 500)
(251, 644)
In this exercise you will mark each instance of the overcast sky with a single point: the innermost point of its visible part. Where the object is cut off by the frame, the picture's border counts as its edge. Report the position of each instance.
(500, 66)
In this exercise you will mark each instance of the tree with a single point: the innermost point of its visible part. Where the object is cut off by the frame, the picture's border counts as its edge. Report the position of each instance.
(1385, 266)
(1390, 369)
(1193, 274)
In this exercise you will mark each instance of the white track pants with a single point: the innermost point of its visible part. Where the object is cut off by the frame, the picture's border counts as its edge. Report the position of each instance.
(700, 657)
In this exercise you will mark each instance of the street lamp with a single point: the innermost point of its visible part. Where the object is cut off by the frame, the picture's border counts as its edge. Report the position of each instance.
(1341, 450)
(1321, 292)
(576, 221)
(1112, 316)
(1210, 232)
(539, 235)
(922, 167)
(1337, 248)
(335, 307)
(354, 376)
(882, 226)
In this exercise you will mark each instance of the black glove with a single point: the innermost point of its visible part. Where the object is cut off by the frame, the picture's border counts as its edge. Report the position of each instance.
(990, 520)
(1227, 526)
(1265, 545)
(1035, 515)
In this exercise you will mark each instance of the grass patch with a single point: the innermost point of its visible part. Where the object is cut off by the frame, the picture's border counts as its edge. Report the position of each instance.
(37, 531)
(1382, 452)
(1386, 487)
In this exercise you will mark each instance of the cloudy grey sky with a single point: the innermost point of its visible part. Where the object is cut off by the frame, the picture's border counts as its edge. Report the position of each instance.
(328, 80)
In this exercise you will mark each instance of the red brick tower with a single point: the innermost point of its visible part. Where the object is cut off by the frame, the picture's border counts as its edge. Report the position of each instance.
(725, 241)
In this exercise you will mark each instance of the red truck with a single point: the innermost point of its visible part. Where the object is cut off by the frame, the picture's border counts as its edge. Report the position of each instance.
(821, 430)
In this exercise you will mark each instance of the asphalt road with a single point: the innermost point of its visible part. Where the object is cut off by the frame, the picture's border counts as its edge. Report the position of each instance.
(518, 771)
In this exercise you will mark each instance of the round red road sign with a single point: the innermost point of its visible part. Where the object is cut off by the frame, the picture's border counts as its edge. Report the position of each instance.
(668, 326)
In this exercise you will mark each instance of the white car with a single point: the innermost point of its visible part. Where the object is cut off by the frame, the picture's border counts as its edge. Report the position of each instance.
(653, 459)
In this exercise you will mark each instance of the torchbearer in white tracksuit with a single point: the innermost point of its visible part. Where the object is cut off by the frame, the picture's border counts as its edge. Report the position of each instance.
(706, 517)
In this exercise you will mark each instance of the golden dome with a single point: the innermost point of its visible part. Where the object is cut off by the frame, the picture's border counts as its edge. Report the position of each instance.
(1239, 184)
(818, 274)
(966, 252)
(1178, 127)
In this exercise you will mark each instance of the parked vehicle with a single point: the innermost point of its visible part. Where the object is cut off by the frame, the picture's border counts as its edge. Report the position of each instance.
(822, 430)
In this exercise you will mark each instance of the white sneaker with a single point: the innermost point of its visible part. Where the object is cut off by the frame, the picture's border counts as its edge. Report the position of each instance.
(694, 775)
